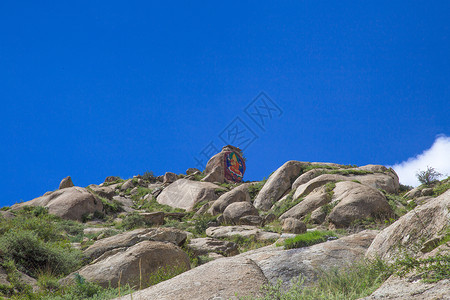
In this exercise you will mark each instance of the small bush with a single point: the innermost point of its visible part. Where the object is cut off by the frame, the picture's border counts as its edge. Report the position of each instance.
(430, 175)
(249, 243)
(309, 238)
(31, 254)
(165, 273)
(132, 221)
(149, 176)
(430, 269)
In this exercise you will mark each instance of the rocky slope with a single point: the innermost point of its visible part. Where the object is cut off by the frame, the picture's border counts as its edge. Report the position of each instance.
(225, 240)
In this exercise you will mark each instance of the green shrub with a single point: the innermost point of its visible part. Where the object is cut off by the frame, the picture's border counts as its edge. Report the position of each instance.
(32, 254)
(132, 221)
(201, 223)
(249, 243)
(430, 269)
(149, 176)
(309, 238)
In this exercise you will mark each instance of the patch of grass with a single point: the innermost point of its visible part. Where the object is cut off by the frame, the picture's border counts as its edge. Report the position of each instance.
(349, 172)
(249, 243)
(349, 283)
(113, 182)
(398, 204)
(152, 205)
(431, 269)
(442, 187)
(201, 224)
(164, 273)
(309, 238)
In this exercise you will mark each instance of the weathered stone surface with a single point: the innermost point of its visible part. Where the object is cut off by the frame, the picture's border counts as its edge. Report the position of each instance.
(202, 246)
(66, 183)
(238, 194)
(356, 202)
(127, 185)
(426, 222)
(414, 193)
(292, 225)
(69, 203)
(411, 289)
(278, 184)
(185, 193)
(103, 191)
(242, 230)
(387, 180)
(318, 181)
(7, 215)
(318, 216)
(225, 278)
(125, 264)
(315, 199)
(289, 264)
(251, 220)
(427, 192)
(111, 178)
(154, 218)
(170, 177)
(129, 238)
(307, 176)
(192, 171)
(237, 210)
(126, 203)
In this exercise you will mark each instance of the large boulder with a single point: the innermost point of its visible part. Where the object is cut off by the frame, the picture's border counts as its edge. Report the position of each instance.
(225, 278)
(130, 238)
(381, 178)
(292, 225)
(357, 202)
(237, 210)
(278, 184)
(186, 194)
(128, 264)
(306, 188)
(424, 223)
(314, 200)
(288, 265)
(226, 166)
(66, 183)
(70, 203)
(170, 177)
(238, 194)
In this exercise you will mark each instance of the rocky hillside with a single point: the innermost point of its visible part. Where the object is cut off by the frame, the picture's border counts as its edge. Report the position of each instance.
(310, 231)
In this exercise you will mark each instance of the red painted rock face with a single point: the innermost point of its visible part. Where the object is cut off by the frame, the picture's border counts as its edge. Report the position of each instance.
(234, 166)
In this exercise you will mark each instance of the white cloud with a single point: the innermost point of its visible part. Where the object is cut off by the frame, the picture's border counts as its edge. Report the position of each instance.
(438, 157)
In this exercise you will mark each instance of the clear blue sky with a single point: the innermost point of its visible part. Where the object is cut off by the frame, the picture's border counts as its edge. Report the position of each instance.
(98, 88)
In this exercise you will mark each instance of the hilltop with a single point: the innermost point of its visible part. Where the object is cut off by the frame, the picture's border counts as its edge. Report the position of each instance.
(310, 231)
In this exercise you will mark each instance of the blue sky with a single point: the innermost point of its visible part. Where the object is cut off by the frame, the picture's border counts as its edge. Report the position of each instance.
(93, 89)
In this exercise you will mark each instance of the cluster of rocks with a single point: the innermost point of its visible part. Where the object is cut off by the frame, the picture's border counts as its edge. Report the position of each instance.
(325, 195)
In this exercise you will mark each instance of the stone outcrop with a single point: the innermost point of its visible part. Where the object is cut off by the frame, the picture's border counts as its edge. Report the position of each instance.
(127, 264)
(170, 177)
(278, 184)
(237, 210)
(292, 225)
(242, 230)
(426, 222)
(357, 202)
(315, 199)
(216, 169)
(66, 183)
(202, 246)
(225, 278)
(186, 194)
(70, 203)
(238, 194)
(130, 238)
